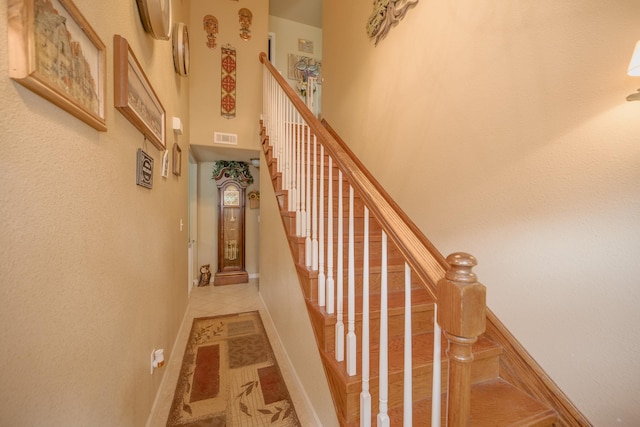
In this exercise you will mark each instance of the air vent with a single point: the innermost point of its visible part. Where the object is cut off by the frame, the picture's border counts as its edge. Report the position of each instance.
(225, 138)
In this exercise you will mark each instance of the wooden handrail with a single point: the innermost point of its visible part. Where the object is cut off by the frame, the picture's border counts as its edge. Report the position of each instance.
(425, 261)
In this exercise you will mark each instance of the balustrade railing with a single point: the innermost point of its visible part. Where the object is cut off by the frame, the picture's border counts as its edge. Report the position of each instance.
(303, 146)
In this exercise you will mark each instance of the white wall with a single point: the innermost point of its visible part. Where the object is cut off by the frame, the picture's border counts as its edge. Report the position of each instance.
(287, 35)
(93, 266)
(502, 129)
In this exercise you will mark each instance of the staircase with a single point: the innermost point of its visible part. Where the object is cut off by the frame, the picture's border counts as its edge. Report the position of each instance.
(492, 381)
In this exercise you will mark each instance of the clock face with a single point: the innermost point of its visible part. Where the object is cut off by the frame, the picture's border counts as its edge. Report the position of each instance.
(231, 196)
(156, 17)
(180, 42)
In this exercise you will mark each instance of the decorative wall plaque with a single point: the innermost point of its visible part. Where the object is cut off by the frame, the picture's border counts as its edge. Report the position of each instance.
(386, 14)
(144, 169)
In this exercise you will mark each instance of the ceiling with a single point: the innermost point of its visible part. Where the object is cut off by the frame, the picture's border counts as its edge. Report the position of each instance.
(207, 153)
(304, 11)
(307, 12)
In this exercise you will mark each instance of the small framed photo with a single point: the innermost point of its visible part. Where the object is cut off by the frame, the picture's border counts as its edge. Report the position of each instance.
(54, 52)
(177, 160)
(305, 46)
(144, 169)
(165, 164)
(134, 97)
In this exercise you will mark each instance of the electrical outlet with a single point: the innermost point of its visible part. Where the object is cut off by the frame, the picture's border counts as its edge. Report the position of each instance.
(152, 358)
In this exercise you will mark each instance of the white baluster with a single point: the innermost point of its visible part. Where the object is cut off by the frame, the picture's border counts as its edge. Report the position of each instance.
(292, 158)
(408, 365)
(383, 404)
(365, 395)
(269, 101)
(278, 132)
(303, 185)
(298, 175)
(286, 175)
(437, 375)
(321, 275)
(340, 277)
(330, 282)
(351, 294)
(307, 241)
(314, 215)
(270, 106)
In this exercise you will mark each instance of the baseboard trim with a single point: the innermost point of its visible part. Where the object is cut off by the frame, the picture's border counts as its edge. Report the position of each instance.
(185, 323)
(266, 318)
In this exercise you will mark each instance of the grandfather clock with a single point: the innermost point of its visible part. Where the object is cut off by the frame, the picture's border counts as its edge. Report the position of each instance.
(232, 186)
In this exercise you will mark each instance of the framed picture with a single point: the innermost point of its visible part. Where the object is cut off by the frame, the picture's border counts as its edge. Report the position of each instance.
(177, 160)
(54, 52)
(301, 67)
(305, 46)
(133, 95)
(165, 164)
(144, 169)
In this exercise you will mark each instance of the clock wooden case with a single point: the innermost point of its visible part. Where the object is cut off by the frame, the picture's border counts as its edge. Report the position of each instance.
(231, 232)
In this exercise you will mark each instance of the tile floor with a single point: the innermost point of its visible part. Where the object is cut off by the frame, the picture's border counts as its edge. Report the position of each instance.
(213, 301)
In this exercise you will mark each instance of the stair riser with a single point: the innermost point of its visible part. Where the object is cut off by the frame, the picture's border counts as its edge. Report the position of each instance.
(375, 232)
(394, 257)
(421, 321)
(422, 378)
(395, 279)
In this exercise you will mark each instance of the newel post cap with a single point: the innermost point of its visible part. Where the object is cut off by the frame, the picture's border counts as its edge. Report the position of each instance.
(461, 299)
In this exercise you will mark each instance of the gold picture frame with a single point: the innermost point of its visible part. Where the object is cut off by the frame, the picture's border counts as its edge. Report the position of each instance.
(177, 160)
(54, 52)
(134, 96)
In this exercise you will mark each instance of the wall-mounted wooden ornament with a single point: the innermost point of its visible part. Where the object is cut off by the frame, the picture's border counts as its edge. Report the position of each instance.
(245, 16)
(386, 14)
(210, 24)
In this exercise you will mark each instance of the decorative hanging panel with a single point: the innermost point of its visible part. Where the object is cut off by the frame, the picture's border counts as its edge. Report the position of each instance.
(228, 86)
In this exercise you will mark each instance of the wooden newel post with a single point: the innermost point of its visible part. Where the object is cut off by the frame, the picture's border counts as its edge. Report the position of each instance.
(462, 316)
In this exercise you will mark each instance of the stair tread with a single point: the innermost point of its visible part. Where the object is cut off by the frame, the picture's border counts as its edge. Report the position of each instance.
(494, 403)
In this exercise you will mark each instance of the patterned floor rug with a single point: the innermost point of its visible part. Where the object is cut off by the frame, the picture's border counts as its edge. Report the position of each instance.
(230, 377)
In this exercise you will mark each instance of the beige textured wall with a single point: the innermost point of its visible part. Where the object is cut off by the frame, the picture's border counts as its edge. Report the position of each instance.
(93, 269)
(502, 129)
(283, 297)
(205, 79)
(206, 74)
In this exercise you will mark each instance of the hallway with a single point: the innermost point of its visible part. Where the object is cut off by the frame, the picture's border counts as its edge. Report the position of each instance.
(213, 301)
